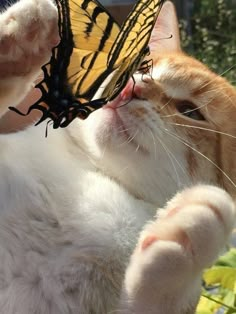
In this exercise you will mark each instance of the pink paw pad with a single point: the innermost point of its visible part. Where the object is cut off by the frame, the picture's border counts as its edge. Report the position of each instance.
(179, 236)
(173, 212)
(167, 230)
(148, 241)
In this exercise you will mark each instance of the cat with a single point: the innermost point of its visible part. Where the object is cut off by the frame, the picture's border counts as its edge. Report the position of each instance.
(79, 229)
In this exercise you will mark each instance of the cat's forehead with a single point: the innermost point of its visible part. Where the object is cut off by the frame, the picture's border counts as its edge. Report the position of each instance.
(182, 77)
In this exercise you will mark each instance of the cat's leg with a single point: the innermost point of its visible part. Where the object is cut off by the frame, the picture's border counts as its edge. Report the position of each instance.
(164, 275)
(28, 31)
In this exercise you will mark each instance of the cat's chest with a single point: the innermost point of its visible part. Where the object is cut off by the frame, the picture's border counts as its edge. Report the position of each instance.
(88, 214)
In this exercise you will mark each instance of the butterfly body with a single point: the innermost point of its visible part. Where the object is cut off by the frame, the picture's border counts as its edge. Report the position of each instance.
(122, 76)
(93, 50)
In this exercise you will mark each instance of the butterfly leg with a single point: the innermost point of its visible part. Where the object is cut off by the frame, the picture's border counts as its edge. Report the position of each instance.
(164, 275)
(146, 68)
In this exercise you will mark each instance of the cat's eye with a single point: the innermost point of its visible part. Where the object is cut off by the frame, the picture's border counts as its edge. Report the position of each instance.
(189, 110)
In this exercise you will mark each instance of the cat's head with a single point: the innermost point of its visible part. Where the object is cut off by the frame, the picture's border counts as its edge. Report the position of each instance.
(172, 128)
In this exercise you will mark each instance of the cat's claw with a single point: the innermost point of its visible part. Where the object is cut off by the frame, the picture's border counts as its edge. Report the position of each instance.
(172, 251)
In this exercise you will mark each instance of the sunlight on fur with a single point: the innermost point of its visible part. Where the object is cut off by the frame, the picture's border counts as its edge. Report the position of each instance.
(79, 230)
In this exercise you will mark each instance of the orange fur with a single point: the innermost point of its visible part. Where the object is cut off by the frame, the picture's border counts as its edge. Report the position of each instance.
(214, 98)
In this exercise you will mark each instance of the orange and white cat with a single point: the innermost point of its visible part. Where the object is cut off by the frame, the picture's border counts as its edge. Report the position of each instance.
(72, 205)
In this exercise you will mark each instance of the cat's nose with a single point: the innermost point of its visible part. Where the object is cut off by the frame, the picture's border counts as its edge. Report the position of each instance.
(125, 96)
(132, 90)
(127, 92)
(137, 92)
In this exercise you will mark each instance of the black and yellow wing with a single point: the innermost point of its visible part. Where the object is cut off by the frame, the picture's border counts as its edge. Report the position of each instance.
(94, 33)
(67, 73)
(131, 44)
(92, 48)
(118, 52)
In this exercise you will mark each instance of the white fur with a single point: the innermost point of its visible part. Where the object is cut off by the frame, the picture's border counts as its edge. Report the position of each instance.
(72, 204)
(189, 231)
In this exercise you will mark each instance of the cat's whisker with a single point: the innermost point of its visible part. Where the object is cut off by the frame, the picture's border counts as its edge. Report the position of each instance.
(122, 130)
(171, 98)
(171, 158)
(166, 104)
(176, 160)
(202, 128)
(201, 154)
(116, 311)
(154, 143)
(227, 70)
(170, 155)
(104, 149)
(191, 110)
(130, 138)
(215, 78)
(215, 90)
(228, 97)
(120, 174)
(218, 91)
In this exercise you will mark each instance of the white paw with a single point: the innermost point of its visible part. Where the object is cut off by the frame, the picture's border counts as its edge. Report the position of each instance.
(28, 32)
(173, 250)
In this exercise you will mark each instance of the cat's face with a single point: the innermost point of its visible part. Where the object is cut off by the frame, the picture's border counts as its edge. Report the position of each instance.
(166, 131)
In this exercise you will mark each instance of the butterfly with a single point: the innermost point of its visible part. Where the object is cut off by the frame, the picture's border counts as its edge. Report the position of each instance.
(93, 49)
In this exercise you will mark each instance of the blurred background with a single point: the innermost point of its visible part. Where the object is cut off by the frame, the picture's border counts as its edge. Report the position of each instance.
(208, 30)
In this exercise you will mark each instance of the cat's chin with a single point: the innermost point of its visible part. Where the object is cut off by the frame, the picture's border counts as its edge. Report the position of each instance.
(115, 121)
(111, 128)
(109, 125)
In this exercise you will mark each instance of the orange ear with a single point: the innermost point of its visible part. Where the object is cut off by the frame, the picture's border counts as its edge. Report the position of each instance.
(165, 35)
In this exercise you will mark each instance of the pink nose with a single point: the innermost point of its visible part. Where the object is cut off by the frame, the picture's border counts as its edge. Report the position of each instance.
(127, 92)
(123, 97)
(131, 90)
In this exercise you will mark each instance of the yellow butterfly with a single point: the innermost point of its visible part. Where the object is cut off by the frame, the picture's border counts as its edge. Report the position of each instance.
(92, 48)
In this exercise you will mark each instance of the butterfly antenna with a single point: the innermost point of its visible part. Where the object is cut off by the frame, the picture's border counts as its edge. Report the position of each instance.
(169, 37)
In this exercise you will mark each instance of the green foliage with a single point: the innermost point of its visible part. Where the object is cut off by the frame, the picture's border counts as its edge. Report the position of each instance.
(220, 286)
(213, 40)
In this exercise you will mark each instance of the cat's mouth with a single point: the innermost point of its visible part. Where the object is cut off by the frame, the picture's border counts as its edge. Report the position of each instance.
(112, 109)
(120, 114)
(130, 92)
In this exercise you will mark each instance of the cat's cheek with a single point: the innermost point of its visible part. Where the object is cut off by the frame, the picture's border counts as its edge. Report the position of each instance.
(106, 128)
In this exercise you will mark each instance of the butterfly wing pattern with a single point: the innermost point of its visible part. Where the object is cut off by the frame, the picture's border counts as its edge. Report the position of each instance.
(94, 37)
(131, 45)
(93, 48)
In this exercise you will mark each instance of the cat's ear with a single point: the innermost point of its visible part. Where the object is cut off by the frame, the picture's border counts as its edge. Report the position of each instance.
(165, 35)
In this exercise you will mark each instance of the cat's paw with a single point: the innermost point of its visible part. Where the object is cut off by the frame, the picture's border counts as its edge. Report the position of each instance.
(28, 32)
(165, 269)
